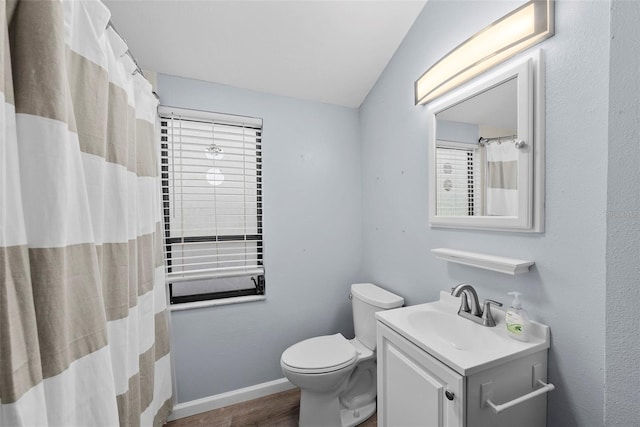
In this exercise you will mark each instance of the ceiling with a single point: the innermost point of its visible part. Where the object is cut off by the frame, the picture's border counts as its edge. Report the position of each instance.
(326, 51)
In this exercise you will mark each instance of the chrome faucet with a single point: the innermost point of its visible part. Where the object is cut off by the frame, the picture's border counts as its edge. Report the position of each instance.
(468, 296)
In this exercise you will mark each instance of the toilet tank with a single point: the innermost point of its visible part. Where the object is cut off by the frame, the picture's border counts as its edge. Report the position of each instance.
(366, 299)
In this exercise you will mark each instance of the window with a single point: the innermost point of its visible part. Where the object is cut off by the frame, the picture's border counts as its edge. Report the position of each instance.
(458, 179)
(212, 204)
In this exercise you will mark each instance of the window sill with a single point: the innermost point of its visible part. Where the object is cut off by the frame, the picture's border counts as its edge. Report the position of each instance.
(216, 302)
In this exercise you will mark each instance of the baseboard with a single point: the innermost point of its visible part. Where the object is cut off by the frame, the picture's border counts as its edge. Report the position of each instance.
(198, 406)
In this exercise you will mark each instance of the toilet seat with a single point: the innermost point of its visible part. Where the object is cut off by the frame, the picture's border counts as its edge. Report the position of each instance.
(319, 355)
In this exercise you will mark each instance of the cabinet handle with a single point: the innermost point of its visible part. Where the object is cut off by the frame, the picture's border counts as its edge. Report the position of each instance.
(449, 395)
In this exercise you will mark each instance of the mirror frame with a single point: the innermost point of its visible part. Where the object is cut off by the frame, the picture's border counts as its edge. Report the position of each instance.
(530, 121)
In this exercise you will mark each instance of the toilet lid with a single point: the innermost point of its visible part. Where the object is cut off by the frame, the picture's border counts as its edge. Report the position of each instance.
(320, 354)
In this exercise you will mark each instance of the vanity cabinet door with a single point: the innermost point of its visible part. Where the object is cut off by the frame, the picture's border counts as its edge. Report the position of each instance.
(415, 389)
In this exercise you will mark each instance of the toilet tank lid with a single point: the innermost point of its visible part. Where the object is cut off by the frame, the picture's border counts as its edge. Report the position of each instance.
(376, 296)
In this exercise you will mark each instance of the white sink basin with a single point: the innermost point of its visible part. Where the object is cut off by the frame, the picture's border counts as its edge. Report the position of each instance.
(463, 345)
(451, 329)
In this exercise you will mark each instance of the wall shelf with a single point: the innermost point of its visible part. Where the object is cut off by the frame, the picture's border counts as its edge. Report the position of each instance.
(488, 262)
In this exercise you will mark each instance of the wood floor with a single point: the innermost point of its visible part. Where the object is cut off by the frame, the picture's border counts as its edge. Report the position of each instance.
(276, 410)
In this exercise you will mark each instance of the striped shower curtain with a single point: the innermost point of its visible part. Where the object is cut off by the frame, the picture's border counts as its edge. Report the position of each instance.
(502, 179)
(83, 319)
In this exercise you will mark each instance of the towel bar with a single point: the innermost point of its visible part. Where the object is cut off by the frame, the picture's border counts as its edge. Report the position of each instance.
(486, 391)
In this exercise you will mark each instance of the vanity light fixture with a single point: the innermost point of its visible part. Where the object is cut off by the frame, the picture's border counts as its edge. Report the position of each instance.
(524, 27)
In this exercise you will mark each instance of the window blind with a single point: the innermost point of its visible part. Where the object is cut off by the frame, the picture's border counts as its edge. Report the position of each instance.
(212, 196)
(458, 181)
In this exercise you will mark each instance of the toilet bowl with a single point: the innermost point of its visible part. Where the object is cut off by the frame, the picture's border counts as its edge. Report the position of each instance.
(337, 376)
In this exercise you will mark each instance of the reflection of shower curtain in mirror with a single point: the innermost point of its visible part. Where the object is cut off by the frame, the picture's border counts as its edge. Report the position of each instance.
(502, 179)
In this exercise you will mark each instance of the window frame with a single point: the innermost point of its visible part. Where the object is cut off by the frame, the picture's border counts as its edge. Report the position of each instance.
(166, 113)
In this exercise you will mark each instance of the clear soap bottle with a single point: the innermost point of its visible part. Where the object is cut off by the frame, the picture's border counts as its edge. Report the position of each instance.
(517, 319)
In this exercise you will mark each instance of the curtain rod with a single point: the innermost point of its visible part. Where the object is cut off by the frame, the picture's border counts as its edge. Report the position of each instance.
(130, 55)
(482, 140)
(499, 139)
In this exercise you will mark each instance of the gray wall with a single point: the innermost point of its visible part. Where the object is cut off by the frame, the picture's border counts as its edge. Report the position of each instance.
(566, 288)
(312, 238)
(622, 404)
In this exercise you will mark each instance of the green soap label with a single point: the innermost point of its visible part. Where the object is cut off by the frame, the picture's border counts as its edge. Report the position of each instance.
(514, 323)
(515, 328)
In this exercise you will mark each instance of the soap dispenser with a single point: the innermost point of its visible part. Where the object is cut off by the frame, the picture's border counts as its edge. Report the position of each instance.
(517, 319)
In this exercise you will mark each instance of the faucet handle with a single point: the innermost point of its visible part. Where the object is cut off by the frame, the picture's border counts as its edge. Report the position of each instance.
(487, 302)
(487, 318)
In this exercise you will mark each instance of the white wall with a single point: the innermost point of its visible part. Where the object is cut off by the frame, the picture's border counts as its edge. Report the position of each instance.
(312, 239)
(566, 288)
(622, 397)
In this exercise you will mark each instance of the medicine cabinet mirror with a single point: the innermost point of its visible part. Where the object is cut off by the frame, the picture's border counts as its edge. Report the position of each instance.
(486, 151)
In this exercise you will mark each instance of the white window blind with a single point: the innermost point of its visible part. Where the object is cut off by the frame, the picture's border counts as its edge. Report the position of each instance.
(458, 181)
(212, 190)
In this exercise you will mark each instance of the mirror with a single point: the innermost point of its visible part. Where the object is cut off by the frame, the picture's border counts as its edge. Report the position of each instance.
(486, 150)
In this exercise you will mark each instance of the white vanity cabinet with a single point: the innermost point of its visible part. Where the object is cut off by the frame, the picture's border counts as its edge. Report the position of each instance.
(431, 378)
(415, 389)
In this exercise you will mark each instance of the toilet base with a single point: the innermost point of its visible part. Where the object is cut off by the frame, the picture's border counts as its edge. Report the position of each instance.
(343, 398)
(351, 418)
(320, 410)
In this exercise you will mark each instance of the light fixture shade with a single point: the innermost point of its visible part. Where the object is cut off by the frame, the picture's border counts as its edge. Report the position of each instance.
(524, 27)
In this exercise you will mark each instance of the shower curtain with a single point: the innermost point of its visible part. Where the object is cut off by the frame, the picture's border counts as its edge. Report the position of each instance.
(83, 320)
(502, 179)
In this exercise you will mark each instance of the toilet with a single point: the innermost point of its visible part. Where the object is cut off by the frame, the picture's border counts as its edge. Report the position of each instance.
(337, 376)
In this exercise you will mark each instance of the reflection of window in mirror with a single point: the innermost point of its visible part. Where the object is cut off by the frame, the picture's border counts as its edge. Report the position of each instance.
(458, 179)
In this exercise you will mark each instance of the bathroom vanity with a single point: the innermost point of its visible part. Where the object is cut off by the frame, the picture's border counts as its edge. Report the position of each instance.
(436, 368)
